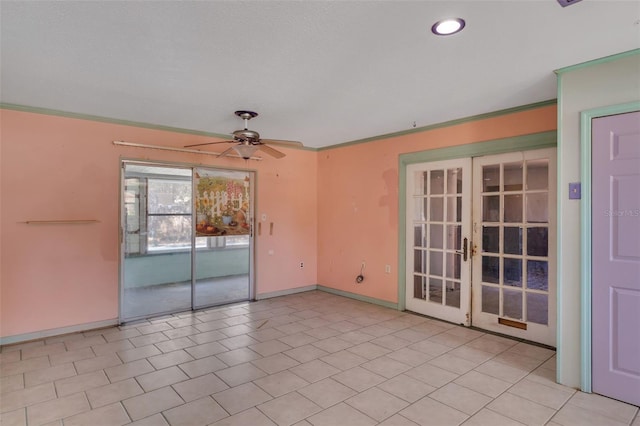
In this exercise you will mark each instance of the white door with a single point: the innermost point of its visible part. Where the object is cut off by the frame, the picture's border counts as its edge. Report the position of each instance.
(438, 234)
(484, 254)
(514, 222)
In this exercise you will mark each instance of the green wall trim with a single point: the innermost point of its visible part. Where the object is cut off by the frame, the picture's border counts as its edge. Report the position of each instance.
(596, 62)
(586, 118)
(359, 297)
(444, 124)
(498, 146)
(89, 117)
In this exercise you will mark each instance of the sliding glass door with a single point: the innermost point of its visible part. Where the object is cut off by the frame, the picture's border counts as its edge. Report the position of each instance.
(186, 238)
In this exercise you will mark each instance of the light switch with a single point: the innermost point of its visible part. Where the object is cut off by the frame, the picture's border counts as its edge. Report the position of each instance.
(575, 191)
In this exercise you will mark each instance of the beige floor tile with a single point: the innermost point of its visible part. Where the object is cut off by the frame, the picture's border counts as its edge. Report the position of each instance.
(453, 363)
(238, 356)
(321, 332)
(116, 335)
(110, 415)
(483, 383)
(297, 339)
(428, 412)
(81, 382)
(532, 351)
(305, 353)
(207, 337)
(341, 414)
(175, 344)
(17, 381)
(522, 362)
(200, 412)
(241, 397)
(432, 375)
(573, 415)
(236, 342)
(369, 350)
(501, 371)
(43, 350)
(471, 354)
(521, 409)
(386, 367)
(551, 397)
(281, 383)
(202, 366)
(355, 337)
(609, 407)
(461, 398)
(447, 339)
(148, 339)
(108, 394)
(135, 354)
(252, 417)
(327, 392)
(14, 400)
(199, 387)
(411, 335)
(275, 363)
(486, 417)
(37, 377)
(161, 378)
(115, 346)
(14, 418)
(206, 349)
(235, 330)
(315, 370)
(397, 420)
(19, 367)
(289, 409)
(59, 408)
(153, 402)
(407, 388)
(391, 342)
(332, 344)
(292, 328)
(169, 359)
(154, 328)
(74, 345)
(359, 379)
(344, 360)
(71, 356)
(270, 347)
(264, 335)
(128, 370)
(97, 363)
(239, 374)
(410, 356)
(155, 420)
(180, 331)
(11, 356)
(429, 347)
(377, 403)
(488, 343)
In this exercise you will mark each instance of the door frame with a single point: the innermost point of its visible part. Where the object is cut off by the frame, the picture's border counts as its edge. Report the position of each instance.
(121, 162)
(586, 118)
(497, 146)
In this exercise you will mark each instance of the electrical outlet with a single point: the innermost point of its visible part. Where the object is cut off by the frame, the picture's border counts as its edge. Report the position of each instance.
(387, 269)
(301, 265)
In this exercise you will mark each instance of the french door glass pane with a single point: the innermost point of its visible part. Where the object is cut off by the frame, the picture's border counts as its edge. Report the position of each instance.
(491, 178)
(537, 208)
(537, 174)
(512, 240)
(512, 177)
(453, 294)
(513, 208)
(435, 290)
(537, 308)
(512, 303)
(491, 300)
(491, 208)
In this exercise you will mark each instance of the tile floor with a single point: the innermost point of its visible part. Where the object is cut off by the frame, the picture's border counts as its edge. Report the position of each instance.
(307, 359)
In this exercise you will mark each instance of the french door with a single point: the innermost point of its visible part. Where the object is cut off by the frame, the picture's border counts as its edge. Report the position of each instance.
(186, 238)
(481, 242)
(438, 238)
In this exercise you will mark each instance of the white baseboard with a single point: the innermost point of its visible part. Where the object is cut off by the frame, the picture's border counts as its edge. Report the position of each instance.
(285, 292)
(19, 338)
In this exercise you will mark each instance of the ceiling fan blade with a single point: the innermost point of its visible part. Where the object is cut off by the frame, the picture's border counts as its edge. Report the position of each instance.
(225, 152)
(208, 143)
(281, 142)
(271, 151)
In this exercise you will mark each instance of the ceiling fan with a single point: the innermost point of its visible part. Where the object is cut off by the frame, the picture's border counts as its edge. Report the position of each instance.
(248, 141)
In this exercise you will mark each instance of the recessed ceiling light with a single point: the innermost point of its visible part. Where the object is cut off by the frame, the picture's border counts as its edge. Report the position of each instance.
(448, 26)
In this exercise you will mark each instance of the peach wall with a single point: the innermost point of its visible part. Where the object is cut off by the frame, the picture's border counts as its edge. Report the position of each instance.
(52, 167)
(358, 198)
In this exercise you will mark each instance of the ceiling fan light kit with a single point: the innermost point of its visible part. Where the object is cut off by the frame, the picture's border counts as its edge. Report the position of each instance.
(248, 141)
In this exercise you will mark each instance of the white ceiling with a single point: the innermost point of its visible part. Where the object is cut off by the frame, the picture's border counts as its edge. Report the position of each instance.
(321, 72)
